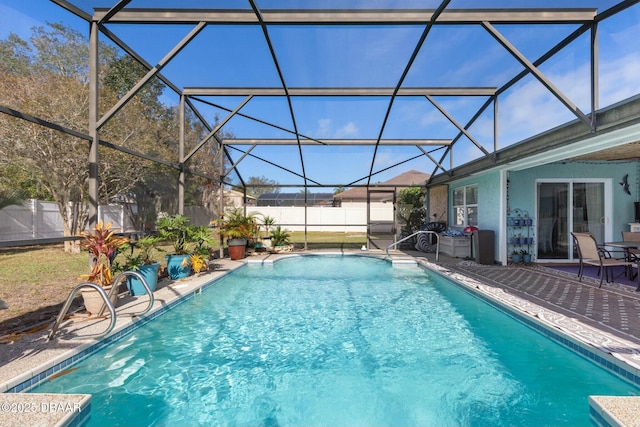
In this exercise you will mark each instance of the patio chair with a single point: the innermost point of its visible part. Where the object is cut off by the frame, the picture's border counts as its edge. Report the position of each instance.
(629, 236)
(633, 254)
(590, 253)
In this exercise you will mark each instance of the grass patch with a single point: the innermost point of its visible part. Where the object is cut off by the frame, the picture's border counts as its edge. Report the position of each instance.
(323, 239)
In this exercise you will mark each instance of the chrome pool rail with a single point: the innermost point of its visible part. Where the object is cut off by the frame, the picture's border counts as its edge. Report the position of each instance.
(107, 302)
(415, 234)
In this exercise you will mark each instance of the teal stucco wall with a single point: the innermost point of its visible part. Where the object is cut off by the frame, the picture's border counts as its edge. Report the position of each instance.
(522, 192)
(522, 186)
(488, 203)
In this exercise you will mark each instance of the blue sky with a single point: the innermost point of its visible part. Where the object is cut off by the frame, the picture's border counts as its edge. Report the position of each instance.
(372, 56)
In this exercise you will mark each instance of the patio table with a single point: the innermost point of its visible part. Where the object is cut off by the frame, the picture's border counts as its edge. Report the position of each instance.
(626, 245)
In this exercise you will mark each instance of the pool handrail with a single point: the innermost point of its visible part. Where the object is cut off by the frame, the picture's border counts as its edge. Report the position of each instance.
(70, 299)
(415, 234)
(107, 302)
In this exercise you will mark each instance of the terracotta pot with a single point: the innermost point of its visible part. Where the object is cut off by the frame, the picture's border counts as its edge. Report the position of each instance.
(236, 251)
(93, 302)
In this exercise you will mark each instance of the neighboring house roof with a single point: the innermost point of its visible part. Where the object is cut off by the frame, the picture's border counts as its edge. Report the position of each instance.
(407, 179)
(234, 193)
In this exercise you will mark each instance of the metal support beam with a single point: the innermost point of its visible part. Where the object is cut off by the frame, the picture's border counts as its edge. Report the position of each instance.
(115, 9)
(537, 74)
(214, 130)
(340, 91)
(336, 142)
(368, 177)
(595, 81)
(220, 107)
(152, 72)
(265, 31)
(94, 81)
(276, 165)
(468, 125)
(458, 125)
(137, 57)
(73, 9)
(432, 19)
(437, 163)
(181, 144)
(496, 145)
(349, 16)
(84, 136)
(233, 166)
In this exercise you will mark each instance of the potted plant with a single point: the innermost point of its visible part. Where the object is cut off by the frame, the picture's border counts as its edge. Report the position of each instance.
(267, 223)
(280, 240)
(237, 228)
(202, 250)
(177, 231)
(140, 258)
(102, 244)
(526, 256)
(515, 257)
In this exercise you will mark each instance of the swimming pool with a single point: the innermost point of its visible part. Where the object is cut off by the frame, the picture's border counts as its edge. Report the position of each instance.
(334, 340)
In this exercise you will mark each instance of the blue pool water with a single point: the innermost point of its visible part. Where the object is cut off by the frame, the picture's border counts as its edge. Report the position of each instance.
(336, 341)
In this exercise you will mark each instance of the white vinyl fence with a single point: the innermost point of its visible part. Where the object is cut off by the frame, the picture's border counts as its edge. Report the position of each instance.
(38, 220)
(351, 218)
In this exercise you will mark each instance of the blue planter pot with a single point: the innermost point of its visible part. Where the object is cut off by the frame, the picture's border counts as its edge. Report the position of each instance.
(178, 266)
(150, 275)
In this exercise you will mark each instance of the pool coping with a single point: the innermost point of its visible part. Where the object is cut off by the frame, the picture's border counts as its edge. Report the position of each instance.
(608, 411)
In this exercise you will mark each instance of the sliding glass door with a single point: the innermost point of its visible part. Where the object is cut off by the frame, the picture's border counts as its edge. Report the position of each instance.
(565, 206)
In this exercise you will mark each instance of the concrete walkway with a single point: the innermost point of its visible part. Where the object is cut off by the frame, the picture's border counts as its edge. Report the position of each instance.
(614, 308)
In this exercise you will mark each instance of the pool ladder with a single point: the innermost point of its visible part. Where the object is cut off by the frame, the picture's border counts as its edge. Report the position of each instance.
(415, 234)
(107, 302)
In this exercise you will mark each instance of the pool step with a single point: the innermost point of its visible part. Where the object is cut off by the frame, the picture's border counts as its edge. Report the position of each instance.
(403, 262)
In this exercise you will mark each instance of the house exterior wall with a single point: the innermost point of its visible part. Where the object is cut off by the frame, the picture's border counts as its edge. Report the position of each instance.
(489, 203)
(521, 193)
(522, 187)
(438, 203)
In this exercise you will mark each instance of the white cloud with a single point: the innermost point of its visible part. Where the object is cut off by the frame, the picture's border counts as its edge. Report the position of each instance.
(323, 130)
(432, 117)
(619, 79)
(350, 130)
(326, 129)
(530, 108)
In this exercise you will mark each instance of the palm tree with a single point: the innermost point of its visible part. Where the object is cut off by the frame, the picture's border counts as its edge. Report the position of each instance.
(8, 198)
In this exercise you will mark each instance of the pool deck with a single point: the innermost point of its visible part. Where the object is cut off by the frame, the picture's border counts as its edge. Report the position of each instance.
(606, 320)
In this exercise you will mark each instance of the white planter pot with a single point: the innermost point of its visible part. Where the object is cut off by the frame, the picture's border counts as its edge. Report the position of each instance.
(93, 301)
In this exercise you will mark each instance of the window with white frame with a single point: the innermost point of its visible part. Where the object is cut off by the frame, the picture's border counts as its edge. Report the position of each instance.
(465, 206)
